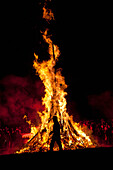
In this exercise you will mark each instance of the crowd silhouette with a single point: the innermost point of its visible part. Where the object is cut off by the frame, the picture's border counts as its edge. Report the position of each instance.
(12, 136)
(102, 129)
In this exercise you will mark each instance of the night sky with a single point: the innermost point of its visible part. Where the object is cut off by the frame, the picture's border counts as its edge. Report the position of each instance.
(84, 35)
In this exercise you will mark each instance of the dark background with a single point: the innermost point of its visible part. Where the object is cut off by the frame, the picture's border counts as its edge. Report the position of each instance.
(83, 32)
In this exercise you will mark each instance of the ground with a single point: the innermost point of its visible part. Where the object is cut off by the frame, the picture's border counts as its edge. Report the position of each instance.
(78, 159)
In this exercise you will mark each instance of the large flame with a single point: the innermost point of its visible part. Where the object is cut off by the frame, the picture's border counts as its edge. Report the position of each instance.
(72, 135)
(55, 101)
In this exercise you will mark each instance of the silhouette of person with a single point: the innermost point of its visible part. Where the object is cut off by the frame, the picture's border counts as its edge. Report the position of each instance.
(56, 134)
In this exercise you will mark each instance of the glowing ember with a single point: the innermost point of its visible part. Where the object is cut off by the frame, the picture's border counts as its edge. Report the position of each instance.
(72, 135)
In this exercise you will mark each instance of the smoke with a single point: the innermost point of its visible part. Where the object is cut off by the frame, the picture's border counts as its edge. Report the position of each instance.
(102, 104)
(20, 96)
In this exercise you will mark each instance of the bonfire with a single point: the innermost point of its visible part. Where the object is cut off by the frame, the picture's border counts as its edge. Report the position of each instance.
(72, 134)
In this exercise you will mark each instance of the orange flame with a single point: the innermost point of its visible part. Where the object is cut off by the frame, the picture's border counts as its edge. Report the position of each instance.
(55, 103)
(47, 14)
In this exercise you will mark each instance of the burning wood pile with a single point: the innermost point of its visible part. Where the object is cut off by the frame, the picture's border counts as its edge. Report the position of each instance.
(72, 135)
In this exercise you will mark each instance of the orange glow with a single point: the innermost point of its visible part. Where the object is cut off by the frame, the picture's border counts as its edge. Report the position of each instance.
(72, 136)
(47, 14)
